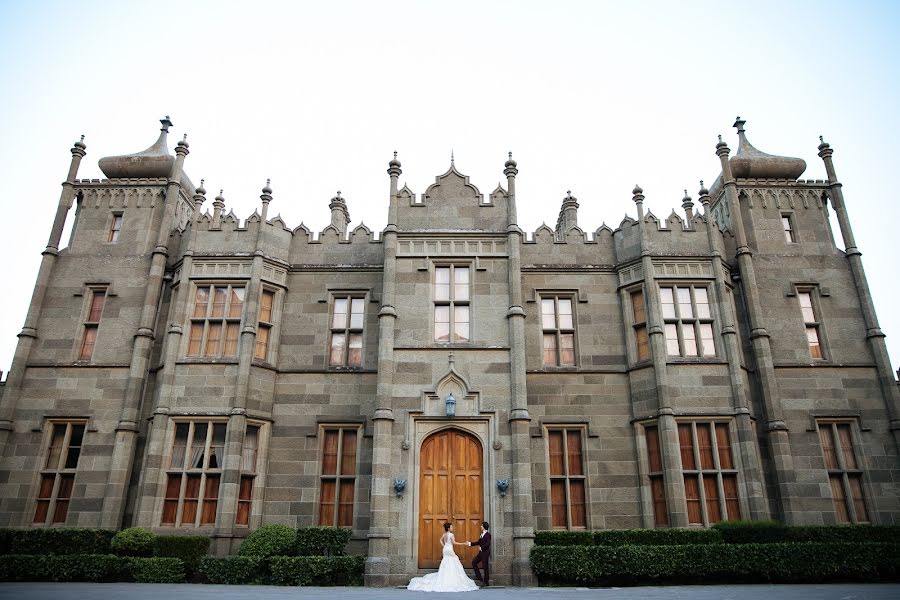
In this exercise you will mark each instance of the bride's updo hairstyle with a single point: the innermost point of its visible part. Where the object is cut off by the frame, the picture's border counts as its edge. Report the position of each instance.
(446, 526)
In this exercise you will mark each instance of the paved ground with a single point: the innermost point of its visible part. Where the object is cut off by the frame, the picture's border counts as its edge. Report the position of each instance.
(137, 591)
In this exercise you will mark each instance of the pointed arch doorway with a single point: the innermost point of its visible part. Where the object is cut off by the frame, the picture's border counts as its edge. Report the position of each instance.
(451, 489)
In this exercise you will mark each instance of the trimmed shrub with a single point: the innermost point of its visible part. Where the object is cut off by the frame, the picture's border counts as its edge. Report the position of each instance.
(157, 570)
(238, 570)
(69, 567)
(56, 541)
(318, 570)
(321, 541)
(189, 548)
(134, 541)
(621, 537)
(711, 563)
(762, 532)
(270, 540)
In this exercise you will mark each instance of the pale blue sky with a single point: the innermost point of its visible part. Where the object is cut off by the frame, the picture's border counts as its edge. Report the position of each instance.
(589, 96)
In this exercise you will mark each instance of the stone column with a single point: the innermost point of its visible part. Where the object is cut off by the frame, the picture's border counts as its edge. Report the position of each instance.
(779, 442)
(667, 427)
(519, 417)
(29, 330)
(378, 567)
(874, 335)
(748, 447)
(127, 429)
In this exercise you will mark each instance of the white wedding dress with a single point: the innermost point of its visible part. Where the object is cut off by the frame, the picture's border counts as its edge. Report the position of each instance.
(450, 577)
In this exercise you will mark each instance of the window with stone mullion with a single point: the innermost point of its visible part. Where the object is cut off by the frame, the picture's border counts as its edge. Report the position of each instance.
(452, 296)
(708, 469)
(216, 320)
(558, 330)
(346, 331)
(337, 481)
(92, 323)
(249, 453)
(194, 474)
(57, 477)
(568, 482)
(811, 322)
(688, 320)
(844, 473)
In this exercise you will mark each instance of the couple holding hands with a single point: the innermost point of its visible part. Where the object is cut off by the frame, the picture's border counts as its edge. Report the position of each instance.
(451, 576)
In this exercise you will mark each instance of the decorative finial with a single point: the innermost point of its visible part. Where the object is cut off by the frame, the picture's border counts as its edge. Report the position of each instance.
(394, 162)
(267, 191)
(451, 158)
(720, 139)
(510, 156)
(166, 123)
(739, 124)
(450, 359)
(339, 193)
(821, 139)
(82, 139)
(80, 143)
(637, 191)
(510, 163)
(703, 190)
(200, 189)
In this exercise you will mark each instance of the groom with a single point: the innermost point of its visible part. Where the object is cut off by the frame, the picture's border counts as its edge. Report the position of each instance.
(484, 556)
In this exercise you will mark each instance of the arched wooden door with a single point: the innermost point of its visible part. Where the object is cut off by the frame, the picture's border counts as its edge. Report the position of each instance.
(451, 489)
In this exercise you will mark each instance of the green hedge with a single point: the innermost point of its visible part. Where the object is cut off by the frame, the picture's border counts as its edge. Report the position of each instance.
(270, 540)
(322, 541)
(709, 563)
(763, 532)
(189, 548)
(69, 567)
(317, 570)
(134, 541)
(235, 570)
(157, 570)
(56, 541)
(621, 537)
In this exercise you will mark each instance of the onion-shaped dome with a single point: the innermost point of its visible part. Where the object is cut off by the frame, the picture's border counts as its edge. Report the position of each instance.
(153, 162)
(749, 162)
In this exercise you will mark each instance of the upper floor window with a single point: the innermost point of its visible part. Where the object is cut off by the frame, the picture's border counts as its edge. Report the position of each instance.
(115, 226)
(657, 485)
(58, 472)
(812, 324)
(216, 320)
(249, 452)
(639, 324)
(710, 476)
(452, 319)
(347, 332)
(194, 474)
(338, 479)
(844, 472)
(567, 478)
(558, 326)
(688, 321)
(787, 223)
(92, 323)
(264, 326)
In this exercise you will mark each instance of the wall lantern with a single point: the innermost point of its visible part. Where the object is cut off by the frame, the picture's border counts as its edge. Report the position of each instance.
(502, 487)
(450, 405)
(399, 487)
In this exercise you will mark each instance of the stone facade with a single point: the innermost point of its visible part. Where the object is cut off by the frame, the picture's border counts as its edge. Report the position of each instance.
(628, 407)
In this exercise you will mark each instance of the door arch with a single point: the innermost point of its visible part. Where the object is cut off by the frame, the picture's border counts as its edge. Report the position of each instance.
(451, 489)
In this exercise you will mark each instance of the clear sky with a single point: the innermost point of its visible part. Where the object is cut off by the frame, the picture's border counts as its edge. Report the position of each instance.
(589, 96)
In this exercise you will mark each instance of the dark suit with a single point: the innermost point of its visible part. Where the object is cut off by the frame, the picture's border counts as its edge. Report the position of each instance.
(483, 558)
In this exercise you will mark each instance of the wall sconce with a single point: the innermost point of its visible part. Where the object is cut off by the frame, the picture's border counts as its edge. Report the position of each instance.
(502, 487)
(399, 487)
(450, 405)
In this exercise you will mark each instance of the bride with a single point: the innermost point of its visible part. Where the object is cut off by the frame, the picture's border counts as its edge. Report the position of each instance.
(450, 577)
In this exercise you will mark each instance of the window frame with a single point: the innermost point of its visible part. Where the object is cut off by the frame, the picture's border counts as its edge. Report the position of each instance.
(247, 475)
(557, 331)
(566, 477)
(815, 325)
(113, 232)
(842, 471)
(267, 326)
(695, 322)
(639, 326)
(790, 232)
(185, 472)
(452, 302)
(717, 471)
(347, 330)
(205, 321)
(89, 325)
(338, 477)
(58, 472)
(656, 479)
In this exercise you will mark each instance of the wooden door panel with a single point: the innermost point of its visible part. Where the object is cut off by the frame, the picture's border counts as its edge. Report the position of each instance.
(451, 488)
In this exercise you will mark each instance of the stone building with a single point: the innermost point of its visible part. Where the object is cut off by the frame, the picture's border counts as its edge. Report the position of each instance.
(183, 371)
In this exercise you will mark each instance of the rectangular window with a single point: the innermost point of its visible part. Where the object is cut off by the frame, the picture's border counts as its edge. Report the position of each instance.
(812, 324)
(657, 485)
(92, 323)
(844, 473)
(58, 472)
(115, 226)
(452, 292)
(194, 474)
(347, 316)
(710, 477)
(558, 327)
(249, 452)
(338, 477)
(567, 479)
(688, 321)
(639, 323)
(216, 320)
(787, 223)
(264, 326)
